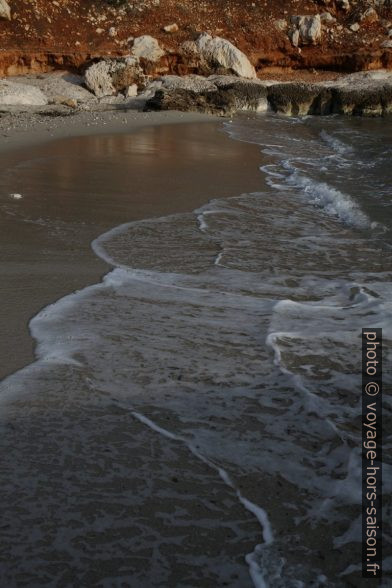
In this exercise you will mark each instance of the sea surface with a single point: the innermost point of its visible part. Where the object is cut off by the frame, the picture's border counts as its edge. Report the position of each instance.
(198, 413)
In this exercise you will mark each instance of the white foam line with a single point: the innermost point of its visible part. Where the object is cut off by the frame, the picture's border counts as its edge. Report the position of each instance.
(97, 244)
(337, 145)
(202, 223)
(145, 276)
(218, 258)
(260, 514)
(315, 401)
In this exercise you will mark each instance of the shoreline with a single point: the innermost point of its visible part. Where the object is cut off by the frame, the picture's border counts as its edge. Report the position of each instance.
(41, 266)
(27, 128)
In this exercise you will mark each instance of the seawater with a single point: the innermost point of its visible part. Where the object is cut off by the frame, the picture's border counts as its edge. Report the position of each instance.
(218, 365)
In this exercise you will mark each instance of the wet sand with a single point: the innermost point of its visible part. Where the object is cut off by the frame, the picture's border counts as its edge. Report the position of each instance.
(87, 179)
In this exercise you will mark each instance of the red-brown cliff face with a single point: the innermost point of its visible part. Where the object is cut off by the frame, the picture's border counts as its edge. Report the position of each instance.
(45, 34)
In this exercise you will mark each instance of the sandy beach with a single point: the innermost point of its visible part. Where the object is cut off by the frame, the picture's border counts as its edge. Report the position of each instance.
(78, 180)
(182, 425)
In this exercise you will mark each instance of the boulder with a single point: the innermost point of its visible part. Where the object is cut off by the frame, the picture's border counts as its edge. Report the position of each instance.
(5, 10)
(307, 30)
(108, 77)
(148, 48)
(221, 55)
(68, 86)
(99, 79)
(15, 94)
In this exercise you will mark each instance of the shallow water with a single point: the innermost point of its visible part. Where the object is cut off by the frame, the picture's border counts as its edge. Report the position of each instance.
(194, 419)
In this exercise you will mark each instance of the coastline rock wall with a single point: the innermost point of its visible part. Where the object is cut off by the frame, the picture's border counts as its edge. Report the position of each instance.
(362, 94)
(354, 95)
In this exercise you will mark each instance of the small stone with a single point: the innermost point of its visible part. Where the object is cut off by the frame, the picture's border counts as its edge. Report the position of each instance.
(386, 45)
(5, 10)
(369, 16)
(355, 27)
(309, 29)
(344, 5)
(148, 48)
(327, 18)
(295, 38)
(112, 32)
(64, 101)
(131, 91)
(171, 28)
(281, 24)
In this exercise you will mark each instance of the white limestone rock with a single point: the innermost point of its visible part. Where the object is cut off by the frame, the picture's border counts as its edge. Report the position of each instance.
(309, 30)
(99, 79)
(218, 52)
(5, 10)
(67, 85)
(171, 28)
(131, 91)
(15, 94)
(148, 48)
(103, 78)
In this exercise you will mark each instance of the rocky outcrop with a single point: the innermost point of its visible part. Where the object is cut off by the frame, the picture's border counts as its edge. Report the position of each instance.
(362, 94)
(367, 94)
(108, 77)
(15, 94)
(44, 35)
(220, 98)
(298, 99)
(217, 55)
(307, 30)
(148, 48)
(5, 10)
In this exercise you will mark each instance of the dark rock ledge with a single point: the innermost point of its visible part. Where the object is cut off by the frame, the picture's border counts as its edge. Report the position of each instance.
(360, 94)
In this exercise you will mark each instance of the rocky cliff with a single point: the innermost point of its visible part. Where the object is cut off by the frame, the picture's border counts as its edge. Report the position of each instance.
(278, 36)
